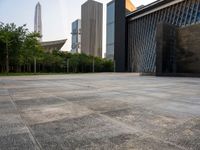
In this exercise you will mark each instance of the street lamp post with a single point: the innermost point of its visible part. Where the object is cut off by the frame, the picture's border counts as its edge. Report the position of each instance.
(67, 65)
(7, 57)
(35, 65)
(114, 63)
(93, 66)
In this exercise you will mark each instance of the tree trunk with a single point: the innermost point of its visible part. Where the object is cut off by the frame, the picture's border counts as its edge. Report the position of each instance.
(35, 66)
(39, 68)
(7, 58)
(30, 68)
(93, 66)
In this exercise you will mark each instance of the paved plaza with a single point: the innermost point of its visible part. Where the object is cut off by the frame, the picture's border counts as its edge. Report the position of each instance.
(99, 112)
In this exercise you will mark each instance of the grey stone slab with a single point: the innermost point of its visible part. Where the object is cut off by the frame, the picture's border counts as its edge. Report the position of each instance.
(16, 142)
(103, 104)
(45, 114)
(3, 92)
(4, 98)
(145, 120)
(80, 97)
(99, 111)
(38, 102)
(186, 134)
(6, 106)
(93, 125)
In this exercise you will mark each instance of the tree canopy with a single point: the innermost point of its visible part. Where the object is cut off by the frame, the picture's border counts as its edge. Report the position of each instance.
(19, 48)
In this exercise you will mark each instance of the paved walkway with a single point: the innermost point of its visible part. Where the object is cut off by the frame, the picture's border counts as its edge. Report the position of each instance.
(99, 111)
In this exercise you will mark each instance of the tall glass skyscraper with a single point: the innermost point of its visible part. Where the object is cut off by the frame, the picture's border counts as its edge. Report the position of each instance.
(38, 19)
(116, 24)
(110, 35)
(76, 36)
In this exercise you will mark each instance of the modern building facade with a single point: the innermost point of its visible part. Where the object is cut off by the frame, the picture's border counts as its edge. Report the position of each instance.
(116, 31)
(91, 28)
(38, 19)
(76, 36)
(160, 38)
(142, 29)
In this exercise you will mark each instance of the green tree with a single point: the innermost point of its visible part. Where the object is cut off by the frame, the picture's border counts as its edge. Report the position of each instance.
(11, 39)
(20, 50)
(31, 51)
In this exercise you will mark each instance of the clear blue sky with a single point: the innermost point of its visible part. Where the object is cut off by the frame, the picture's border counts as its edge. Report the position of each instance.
(57, 16)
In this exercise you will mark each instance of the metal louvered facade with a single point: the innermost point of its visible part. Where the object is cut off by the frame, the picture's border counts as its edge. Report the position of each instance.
(142, 25)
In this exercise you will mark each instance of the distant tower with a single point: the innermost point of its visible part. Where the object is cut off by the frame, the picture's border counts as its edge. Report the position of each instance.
(91, 28)
(38, 19)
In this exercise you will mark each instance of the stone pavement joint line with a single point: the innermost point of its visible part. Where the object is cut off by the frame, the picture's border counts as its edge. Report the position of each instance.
(36, 143)
(33, 139)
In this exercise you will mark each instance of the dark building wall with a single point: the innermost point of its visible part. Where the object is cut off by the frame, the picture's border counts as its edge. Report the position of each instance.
(177, 50)
(142, 25)
(188, 49)
(166, 36)
(120, 36)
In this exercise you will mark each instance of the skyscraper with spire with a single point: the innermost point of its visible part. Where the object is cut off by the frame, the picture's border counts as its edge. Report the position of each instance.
(38, 19)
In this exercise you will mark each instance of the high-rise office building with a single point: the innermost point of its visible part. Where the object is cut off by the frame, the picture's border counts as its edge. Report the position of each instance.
(110, 26)
(76, 36)
(38, 19)
(113, 21)
(91, 28)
